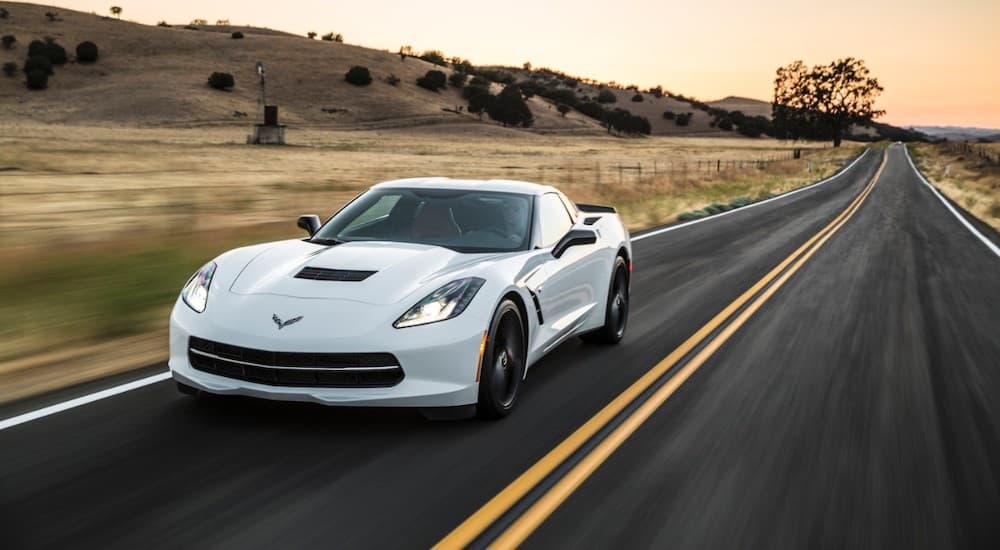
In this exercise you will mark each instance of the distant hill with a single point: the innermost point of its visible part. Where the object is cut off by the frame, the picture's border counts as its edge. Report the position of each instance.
(961, 133)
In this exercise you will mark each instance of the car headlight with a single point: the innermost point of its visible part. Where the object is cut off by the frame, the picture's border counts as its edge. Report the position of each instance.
(195, 293)
(442, 304)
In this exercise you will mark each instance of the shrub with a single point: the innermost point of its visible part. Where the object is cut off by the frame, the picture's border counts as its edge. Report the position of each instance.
(4, 14)
(86, 52)
(53, 16)
(237, 35)
(311, 35)
(392, 80)
(683, 119)
(358, 75)
(563, 109)
(457, 79)
(692, 215)
(38, 63)
(764, 196)
(333, 37)
(163, 24)
(221, 81)
(433, 80)
(510, 109)
(8, 41)
(10, 68)
(37, 79)
(191, 27)
(435, 57)
(571, 83)
(36, 47)
(606, 96)
(55, 53)
(479, 81)
(740, 202)
(669, 115)
(637, 98)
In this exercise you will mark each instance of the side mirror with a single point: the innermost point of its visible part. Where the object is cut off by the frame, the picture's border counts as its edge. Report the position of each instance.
(575, 237)
(310, 223)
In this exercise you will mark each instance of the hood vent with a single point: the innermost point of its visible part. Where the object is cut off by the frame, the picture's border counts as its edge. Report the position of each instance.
(323, 274)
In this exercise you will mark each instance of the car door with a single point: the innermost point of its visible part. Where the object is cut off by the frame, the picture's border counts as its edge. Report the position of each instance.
(565, 287)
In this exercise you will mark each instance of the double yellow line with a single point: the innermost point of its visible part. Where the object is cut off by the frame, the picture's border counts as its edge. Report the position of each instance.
(542, 508)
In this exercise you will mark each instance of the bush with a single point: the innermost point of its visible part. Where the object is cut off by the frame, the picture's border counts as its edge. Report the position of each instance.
(237, 35)
(637, 98)
(479, 81)
(221, 81)
(37, 79)
(358, 75)
(724, 124)
(433, 80)
(163, 24)
(740, 202)
(669, 115)
(331, 37)
(311, 35)
(683, 119)
(457, 79)
(8, 41)
(38, 63)
(510, 109)
(692, 215)
(36, 47)
(55, 53)
(392, 80)
(607, 96)
(4, 14)
(86, 52)
(435, 57)
(563, 109)
(10, 68)
(479, 98)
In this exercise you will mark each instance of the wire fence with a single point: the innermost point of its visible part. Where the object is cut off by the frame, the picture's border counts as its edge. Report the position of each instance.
(986, 154)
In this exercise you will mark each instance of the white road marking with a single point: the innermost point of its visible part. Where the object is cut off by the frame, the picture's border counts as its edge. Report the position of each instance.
(83, 400)
(741, 209)
(110, 392)
(989, 244)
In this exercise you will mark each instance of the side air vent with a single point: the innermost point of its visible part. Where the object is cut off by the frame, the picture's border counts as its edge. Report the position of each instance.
(323, 274)
(591, 220)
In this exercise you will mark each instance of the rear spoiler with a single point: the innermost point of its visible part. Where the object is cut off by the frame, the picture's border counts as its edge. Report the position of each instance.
(596, 208)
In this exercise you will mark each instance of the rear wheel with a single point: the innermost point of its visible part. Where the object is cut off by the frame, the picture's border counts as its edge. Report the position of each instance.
(502, 368)
(616, 310)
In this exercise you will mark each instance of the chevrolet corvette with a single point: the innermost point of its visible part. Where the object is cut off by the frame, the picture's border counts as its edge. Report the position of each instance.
(431, 293)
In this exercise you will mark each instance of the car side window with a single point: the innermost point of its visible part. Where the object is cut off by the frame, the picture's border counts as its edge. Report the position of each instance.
(553, 220)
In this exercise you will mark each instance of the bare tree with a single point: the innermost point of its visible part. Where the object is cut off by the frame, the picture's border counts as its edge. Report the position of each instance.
(117, 12)
(825, 100)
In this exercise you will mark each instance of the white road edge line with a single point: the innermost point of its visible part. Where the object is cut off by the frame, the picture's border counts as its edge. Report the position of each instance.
(779, 197)
(989, 244)
(111, 392)
(83, 400)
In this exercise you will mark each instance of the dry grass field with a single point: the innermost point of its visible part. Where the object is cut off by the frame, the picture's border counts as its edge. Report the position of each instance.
(101, 226)
(964, 176)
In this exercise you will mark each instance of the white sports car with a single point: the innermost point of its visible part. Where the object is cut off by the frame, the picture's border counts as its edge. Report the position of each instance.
(431, 293)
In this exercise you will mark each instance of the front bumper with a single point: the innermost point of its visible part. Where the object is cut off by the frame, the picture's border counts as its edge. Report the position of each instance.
(439, 361)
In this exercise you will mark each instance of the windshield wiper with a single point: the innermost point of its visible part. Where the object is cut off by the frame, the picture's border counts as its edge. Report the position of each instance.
(326, 242)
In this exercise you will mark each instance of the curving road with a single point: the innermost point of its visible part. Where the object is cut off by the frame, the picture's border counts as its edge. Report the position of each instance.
(847, 396)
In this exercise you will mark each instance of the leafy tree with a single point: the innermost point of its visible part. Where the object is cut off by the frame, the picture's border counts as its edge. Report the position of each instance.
(656, 92)
(457, 79)
(333, 37)
(163, 24)
(358, 75)
(530, 87)
(117, 12)
(824, 100)
(479, 81)
(622, 121)
(221, 81)
(86, 52)
(36, 47)
(433, 80)
(593, 109)
(463, 66)
(510, 109)
(606, 96)
(38, 63)
(669, 115)
(53, 16)
(10, 68)
(55, 52)
(4, 14)
(435, 57)
(755, 127)
(237, 35)
(311, 35)
(724, 123)
(8, 41)
(683, 119)
(37, 79)
(560, 95)
(563, 109)
(479, 98)
(637, 98)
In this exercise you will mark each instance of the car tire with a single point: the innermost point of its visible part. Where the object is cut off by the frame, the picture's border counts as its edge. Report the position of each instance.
(616, 309)
(504, 359)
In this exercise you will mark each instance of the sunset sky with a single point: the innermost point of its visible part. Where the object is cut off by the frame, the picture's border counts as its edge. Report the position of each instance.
(938, 61)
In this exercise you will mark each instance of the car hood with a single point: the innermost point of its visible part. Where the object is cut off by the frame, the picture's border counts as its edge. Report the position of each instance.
(400, 270)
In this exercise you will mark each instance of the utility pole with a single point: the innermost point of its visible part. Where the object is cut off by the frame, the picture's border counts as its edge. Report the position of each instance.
(263, 88)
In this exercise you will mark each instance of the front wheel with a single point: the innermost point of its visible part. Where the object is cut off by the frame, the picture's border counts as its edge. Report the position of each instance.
(616, 310)
(503, 363)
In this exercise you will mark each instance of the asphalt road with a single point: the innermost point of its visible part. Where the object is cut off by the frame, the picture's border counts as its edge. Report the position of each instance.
(859, 406)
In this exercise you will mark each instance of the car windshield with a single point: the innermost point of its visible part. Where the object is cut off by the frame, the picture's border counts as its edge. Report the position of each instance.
(462, 220)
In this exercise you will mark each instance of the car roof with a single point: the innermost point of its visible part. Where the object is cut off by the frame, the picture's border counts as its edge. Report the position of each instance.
(507, 186)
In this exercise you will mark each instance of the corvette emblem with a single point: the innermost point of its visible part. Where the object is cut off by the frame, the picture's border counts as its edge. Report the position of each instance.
(282, 324)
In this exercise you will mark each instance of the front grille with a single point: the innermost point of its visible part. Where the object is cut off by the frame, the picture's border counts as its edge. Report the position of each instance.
(275, 368)
(324, 274)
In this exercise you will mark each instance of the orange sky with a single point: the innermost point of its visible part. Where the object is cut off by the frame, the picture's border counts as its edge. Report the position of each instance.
(938, 61)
